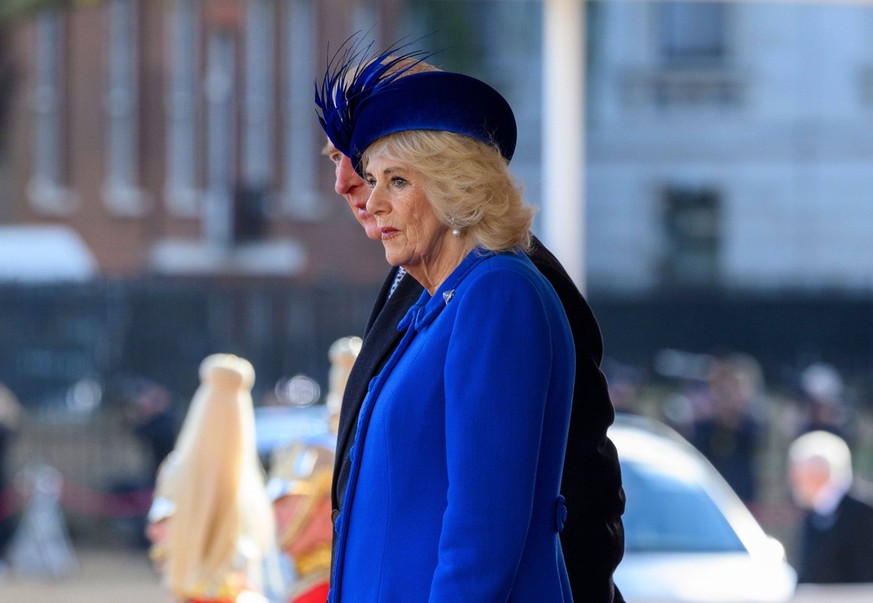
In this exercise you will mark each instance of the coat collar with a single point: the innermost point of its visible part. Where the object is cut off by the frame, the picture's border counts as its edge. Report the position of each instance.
(427, 308)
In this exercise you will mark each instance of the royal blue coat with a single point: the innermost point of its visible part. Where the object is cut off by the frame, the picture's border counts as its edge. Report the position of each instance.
(453, 493)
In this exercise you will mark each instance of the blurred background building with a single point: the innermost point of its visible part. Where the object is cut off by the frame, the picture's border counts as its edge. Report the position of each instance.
(728, 180)
(178, 138)
(175, 143)
(726, 151)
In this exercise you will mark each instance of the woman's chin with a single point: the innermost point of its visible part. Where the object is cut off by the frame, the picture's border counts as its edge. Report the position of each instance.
(393, 258)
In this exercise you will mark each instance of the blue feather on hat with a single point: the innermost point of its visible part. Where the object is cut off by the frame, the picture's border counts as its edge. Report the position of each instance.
(351, 79)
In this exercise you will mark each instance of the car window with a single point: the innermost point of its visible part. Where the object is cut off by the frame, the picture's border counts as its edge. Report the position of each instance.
(667, 512)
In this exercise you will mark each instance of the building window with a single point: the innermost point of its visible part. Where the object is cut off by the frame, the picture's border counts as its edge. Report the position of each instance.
(217, 219)
(121, 193)
(258, 118)
(182, 150)
(692, 33)
(691, 65)
(257, 160)
(302, 142)
(47, 191)
(692, 236)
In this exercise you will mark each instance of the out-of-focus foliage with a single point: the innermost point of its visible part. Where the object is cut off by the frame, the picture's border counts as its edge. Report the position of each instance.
(13, 9)
(451, 28)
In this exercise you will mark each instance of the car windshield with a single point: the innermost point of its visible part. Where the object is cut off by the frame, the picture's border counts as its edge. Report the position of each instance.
(669, 513)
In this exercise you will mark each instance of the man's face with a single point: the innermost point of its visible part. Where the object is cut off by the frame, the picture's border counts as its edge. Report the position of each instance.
(353, 189)
(807, 479)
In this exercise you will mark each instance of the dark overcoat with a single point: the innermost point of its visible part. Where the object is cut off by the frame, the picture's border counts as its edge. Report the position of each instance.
(838, 548)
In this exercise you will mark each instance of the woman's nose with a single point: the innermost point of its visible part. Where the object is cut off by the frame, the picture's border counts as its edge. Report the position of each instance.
(375, 202)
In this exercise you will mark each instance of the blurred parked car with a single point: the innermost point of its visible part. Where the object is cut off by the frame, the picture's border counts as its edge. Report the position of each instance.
(277, 426)
(689, 538)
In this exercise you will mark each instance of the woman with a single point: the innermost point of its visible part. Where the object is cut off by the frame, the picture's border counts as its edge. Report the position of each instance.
(453, 493)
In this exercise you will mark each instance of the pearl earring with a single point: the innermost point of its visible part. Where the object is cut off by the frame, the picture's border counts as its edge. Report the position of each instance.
(456, 231)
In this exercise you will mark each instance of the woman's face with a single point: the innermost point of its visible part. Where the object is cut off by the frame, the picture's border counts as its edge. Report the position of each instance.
(411, 233)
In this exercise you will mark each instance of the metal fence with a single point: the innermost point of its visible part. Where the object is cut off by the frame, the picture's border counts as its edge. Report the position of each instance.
(785, 331)
(70, 352)
(67, 351)
(56, 336)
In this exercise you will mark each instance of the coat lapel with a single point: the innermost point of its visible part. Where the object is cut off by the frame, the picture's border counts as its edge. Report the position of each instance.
(380, 340)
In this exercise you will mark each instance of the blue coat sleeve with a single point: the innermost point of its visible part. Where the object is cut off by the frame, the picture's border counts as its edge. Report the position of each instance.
(496, 382)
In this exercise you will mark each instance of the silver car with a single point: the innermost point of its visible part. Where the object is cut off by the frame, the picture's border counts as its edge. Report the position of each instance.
(689, 537)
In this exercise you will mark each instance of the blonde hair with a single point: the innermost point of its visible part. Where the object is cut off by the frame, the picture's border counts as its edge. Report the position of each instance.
(218, 486)
(467, 183)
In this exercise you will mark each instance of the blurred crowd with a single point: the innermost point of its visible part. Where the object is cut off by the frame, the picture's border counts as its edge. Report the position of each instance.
(723, 404)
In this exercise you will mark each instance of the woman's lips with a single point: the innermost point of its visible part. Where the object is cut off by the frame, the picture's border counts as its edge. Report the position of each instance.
(388, 232)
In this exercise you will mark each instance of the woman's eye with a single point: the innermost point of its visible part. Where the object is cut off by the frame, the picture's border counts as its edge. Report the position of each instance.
(398, 182)
(336, 157)
(371, 182)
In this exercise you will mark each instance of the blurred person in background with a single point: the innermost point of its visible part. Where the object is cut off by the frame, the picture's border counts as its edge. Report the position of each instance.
(624, 386)
(218, 533)
(727, 429)
(823, 403)
(150, 412)
(593, 536)
(41, 547)
(10, 419)
(161, 512)
(836, 536)
(299, 487)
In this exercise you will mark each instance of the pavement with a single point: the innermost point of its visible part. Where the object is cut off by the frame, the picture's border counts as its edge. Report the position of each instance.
(126, 576)
(840, 593)
(102, 576)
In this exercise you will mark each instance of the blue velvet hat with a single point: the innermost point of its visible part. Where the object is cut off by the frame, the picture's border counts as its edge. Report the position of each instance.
(361, 100)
